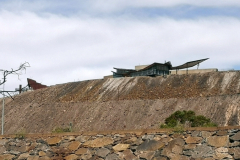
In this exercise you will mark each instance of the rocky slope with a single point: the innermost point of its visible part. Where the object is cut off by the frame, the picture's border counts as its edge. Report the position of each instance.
(125, 103)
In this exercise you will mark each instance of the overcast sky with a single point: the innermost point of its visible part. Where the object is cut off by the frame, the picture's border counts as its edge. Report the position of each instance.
(74, 40)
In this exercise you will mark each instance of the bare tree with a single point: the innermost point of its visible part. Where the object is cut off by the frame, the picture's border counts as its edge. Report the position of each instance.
(17, 72)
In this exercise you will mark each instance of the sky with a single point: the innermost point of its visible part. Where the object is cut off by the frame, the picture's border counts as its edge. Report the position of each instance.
(76, 40)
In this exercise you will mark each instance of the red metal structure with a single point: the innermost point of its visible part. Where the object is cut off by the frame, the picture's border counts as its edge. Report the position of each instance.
(35, 85)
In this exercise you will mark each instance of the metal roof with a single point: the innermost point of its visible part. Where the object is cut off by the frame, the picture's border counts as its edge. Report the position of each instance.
(155, 63)
(124, 69)
(35, 85)
(190, 64)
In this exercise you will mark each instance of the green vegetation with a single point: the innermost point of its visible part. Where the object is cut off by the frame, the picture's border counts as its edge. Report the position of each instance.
(183, 117)
(21, 134)
(62, 130)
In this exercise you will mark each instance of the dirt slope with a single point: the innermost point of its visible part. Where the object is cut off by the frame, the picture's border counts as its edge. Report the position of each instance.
(125, 103)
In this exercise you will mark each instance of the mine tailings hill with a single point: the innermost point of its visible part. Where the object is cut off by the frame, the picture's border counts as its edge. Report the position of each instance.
(125, 103)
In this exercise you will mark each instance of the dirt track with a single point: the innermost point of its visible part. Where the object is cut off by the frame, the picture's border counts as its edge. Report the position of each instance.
(125, 103)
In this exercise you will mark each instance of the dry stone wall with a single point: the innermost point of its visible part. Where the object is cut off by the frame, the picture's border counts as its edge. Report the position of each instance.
(193, 144)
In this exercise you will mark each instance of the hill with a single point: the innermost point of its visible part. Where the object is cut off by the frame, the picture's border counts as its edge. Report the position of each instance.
(125, 103)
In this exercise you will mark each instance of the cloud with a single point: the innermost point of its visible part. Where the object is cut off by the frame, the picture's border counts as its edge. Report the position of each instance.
(62, 49)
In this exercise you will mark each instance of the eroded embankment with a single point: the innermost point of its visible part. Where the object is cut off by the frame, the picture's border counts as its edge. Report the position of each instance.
(125, 103)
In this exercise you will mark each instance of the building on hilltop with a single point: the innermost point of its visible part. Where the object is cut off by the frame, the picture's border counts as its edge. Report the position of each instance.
(155, 69)
(32, 84)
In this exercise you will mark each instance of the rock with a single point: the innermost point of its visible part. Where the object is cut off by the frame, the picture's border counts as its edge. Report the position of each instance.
(131, 140)
(218, 141)
(190, 146)
(202, 151)
(102, 152)
(221, 153)
(175, 145)
(206, 134)
(121, 147)
(147, 155)
(128, 155)
(86, 156)
(71, 157)
(222, 133)
(178, 157)
(236, 137)
(70, 138)
(81, 151)
(150, 145)
(53, 141)
(98, 142)
(112, 157)
(196, 133)
(44, 158)
(177, 149)
(234, 144)
(33, 158)
(2, 149)
(235, 152)
(193, 139)
(3, 142)
(74, 145)
(149, 137)
(82, 138)
(41, 154)
(6, 156)
(42, 147)
(23, 156)
(159, 158)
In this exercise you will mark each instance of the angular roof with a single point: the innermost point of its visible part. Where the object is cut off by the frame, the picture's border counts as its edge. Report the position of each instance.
(165, 64)
(35, 85)
(190, 64)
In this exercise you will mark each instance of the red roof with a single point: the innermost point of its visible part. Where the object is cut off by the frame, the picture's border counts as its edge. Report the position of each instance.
(34, 85)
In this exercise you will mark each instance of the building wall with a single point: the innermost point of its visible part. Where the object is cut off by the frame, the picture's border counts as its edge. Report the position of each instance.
(193, 71)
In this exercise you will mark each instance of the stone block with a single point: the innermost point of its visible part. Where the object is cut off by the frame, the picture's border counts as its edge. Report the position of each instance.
(147, 155)
(6, 156)
(150, 145)
(99, 142)
(236, 137)
(112, 157)
(189, 146)
(102, 152)
(193, 139)
(121, 147)
(82, 138)
(218, 141)
(74, 145)
(81, 151)
(23, 156)
(206, 134)
(128, 155)
(71, 157)
(202, 151)
(41, 154)
(53, 141)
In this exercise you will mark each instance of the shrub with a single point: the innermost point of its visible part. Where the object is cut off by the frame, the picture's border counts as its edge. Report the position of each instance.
(61, 130)
(181, 117)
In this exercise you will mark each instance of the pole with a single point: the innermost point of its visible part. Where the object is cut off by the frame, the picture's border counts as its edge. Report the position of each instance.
(3, 110)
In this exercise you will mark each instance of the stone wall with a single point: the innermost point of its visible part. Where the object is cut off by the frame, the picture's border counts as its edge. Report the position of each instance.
(192, 144)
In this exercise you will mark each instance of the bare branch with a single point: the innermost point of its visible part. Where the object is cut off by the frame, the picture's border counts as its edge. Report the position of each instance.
(17, 72)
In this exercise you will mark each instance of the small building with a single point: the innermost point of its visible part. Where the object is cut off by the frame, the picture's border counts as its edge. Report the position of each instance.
(154, 69)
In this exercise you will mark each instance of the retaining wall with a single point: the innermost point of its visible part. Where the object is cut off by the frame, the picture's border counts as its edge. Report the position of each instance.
(192, 144)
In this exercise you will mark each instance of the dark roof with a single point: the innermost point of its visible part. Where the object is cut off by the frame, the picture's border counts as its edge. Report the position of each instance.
(149, 66)
(35, 85)
(190, 64)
